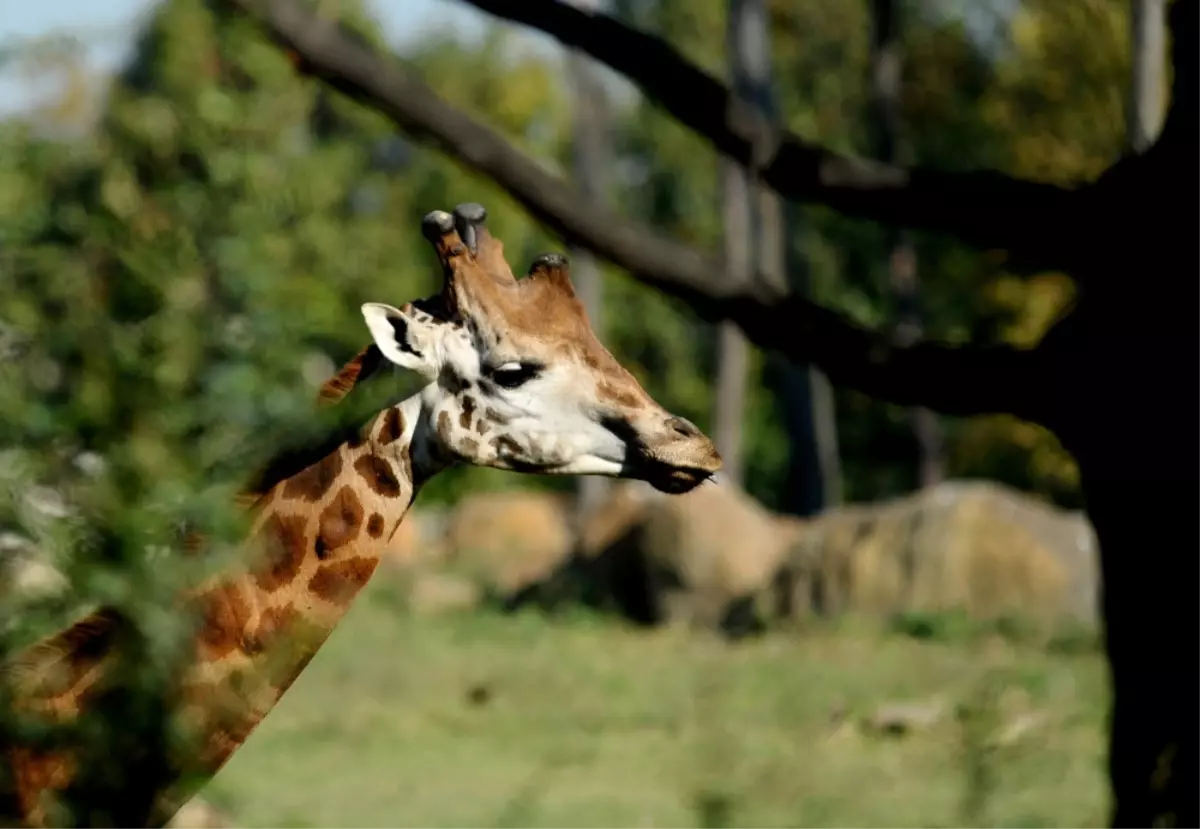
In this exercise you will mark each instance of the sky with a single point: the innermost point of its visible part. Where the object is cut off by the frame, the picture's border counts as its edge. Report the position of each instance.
(108, 26)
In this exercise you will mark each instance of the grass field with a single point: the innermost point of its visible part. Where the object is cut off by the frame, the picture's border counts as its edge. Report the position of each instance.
(520, 720)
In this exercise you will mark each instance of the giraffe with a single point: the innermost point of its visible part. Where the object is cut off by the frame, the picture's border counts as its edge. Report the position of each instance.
(514, 378)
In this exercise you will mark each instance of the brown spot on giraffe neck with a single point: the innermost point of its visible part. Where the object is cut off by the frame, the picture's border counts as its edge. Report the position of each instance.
(375, 525)
(393, 426)
(337, 583)
(283, 538)
(378, 475)
(223, 628)
(312, 483)
(339, 522)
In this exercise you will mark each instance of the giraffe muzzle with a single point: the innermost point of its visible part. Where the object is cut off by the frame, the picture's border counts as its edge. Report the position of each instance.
(679, 460)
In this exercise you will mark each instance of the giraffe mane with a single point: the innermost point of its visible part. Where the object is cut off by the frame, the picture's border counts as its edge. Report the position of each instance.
(360, 369)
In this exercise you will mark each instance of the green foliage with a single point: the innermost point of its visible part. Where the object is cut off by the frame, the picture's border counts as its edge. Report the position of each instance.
(1041, 96)
(209, 244)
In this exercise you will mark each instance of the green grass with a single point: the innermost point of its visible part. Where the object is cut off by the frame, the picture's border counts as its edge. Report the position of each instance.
(492, 720)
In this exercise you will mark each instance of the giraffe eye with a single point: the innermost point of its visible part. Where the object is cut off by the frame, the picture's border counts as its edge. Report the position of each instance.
(513, 375)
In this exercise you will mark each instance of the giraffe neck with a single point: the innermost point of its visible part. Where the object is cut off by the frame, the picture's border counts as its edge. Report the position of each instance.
(317, 539)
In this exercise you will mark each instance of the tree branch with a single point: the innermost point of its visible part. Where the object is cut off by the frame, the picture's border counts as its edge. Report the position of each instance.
(986, 209)
(953, 380)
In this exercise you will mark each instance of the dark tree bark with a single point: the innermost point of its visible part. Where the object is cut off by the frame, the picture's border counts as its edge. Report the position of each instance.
(1128, 239)
(886, 59)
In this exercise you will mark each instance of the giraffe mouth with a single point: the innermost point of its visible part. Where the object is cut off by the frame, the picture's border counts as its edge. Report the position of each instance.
(664, 468)
(674, 480)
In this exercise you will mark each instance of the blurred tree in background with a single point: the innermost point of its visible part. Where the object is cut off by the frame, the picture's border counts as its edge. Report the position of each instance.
(209, 241)
(179, 278)
(1031, 92)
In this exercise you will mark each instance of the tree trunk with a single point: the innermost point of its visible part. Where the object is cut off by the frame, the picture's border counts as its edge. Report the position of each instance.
(902, 262)
(814, 468)
(733, 352)
(1130, 440)
(1135, 445)
(814, 473)
(590, 145)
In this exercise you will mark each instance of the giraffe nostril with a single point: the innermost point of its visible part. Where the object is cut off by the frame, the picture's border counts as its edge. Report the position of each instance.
(683, 427)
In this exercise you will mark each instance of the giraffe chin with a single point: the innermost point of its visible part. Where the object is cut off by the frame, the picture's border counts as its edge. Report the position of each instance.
(675, 480)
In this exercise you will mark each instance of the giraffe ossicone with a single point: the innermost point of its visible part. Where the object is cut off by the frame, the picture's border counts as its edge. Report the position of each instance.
(515, 379)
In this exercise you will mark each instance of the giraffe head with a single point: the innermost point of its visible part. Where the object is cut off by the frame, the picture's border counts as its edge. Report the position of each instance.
(516, 377)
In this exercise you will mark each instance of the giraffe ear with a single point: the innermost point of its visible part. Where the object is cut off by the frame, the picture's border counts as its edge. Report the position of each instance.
(408, 340)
